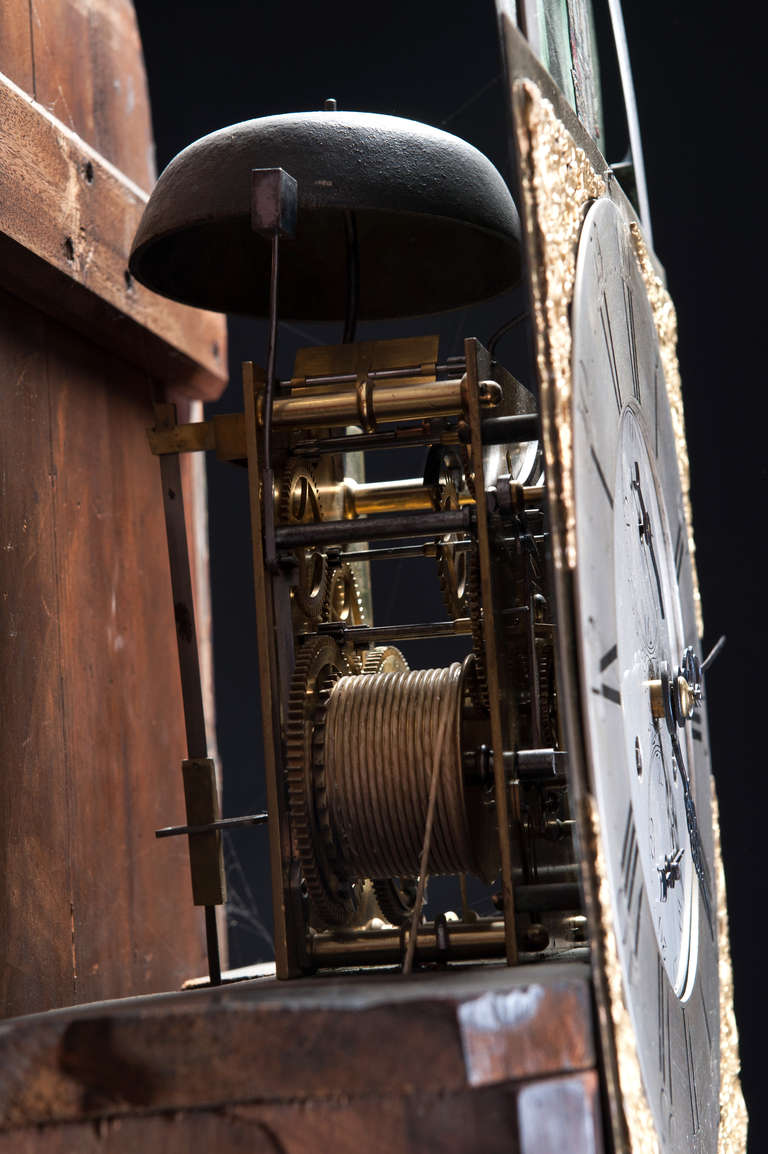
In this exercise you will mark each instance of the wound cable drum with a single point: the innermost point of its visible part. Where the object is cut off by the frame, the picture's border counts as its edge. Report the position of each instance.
(379, 745)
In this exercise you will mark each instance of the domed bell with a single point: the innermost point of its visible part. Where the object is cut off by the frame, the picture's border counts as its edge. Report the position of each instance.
(436, 226)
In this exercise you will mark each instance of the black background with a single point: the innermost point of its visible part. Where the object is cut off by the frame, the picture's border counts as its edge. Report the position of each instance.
(699, 105)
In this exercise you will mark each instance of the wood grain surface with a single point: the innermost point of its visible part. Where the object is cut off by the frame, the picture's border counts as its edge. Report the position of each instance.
(91, 905)
(358, 1063)
(89, 72)
(76, 166)
(469, 1122)
(67, 220)
(16, 44)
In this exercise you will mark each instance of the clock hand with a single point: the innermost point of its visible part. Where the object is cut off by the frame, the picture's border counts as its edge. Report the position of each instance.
(669, 872)
(698, 856)
(675, 702)
(647, 534)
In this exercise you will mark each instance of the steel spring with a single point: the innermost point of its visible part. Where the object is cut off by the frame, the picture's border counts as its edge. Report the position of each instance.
(380, 736)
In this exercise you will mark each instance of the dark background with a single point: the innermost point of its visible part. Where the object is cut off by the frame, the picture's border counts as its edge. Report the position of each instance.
(211, 65)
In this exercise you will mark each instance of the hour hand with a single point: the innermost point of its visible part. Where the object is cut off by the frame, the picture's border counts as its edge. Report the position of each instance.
(646, 532)
(674, 700)
(669, 872)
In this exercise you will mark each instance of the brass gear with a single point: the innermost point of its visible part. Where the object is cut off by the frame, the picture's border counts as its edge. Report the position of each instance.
(452, 562)
(385, 659)
(396, 898)
(299, 502)
(547, 696)
(475, 607)
(334, 897)
(344, 603)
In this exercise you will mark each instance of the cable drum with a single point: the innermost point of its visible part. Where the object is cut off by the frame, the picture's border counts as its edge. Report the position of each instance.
(379, 746)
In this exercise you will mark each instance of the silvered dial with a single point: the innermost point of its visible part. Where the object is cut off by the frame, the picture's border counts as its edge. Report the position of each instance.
(649, 631)
(635, 616)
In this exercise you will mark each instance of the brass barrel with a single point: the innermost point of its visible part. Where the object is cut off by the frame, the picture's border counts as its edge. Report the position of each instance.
(379, 750)
(407, 494)
(366, 403)
(390, 496)
(457, 942)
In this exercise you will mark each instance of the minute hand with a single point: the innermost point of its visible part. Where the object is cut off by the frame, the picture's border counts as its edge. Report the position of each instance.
(647, 534)
(697, 850)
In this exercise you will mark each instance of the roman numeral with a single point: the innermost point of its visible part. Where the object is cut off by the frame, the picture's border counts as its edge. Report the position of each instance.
(696, 734)
(691, 1071)
(656, 406)
(665, 1051)
(607, 691)
(629, 312)
(605, 321)
(598, 255)
(705, 1016)
(679, 550)
(636, 942)
(608, 658)
(601, 475)
(630, 854)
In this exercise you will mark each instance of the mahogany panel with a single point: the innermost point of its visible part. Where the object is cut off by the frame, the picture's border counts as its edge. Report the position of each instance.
(67, 220)
(89, 72)
(16, 43)
(375, 1064)
(36, 925)
(464, 1123)
(276, 1042)
(135, 929)
(91, 905)
(176, 1133)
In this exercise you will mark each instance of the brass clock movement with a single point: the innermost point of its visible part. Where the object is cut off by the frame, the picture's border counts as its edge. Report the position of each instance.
(558, 763)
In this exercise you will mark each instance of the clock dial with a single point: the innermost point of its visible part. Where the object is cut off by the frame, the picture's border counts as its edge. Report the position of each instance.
(649, 632)
(635, 614)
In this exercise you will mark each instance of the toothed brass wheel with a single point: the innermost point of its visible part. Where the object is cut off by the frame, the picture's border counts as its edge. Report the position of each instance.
(452, 560)
(475, 607)
(334, 898)
(299, 502)
(385, 659)
(344, 602)
(396, 898)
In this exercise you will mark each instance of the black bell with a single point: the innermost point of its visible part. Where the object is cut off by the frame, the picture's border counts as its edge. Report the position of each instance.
(436, 225)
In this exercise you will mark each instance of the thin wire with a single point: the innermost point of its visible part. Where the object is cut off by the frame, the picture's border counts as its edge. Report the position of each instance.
(303, 333)
(437, 761)
(714, 651)
(242, 907)
(471, 99)
(502, 330)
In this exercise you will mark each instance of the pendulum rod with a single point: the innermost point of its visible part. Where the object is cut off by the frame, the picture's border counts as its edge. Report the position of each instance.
(270, 560)
(199, 770)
